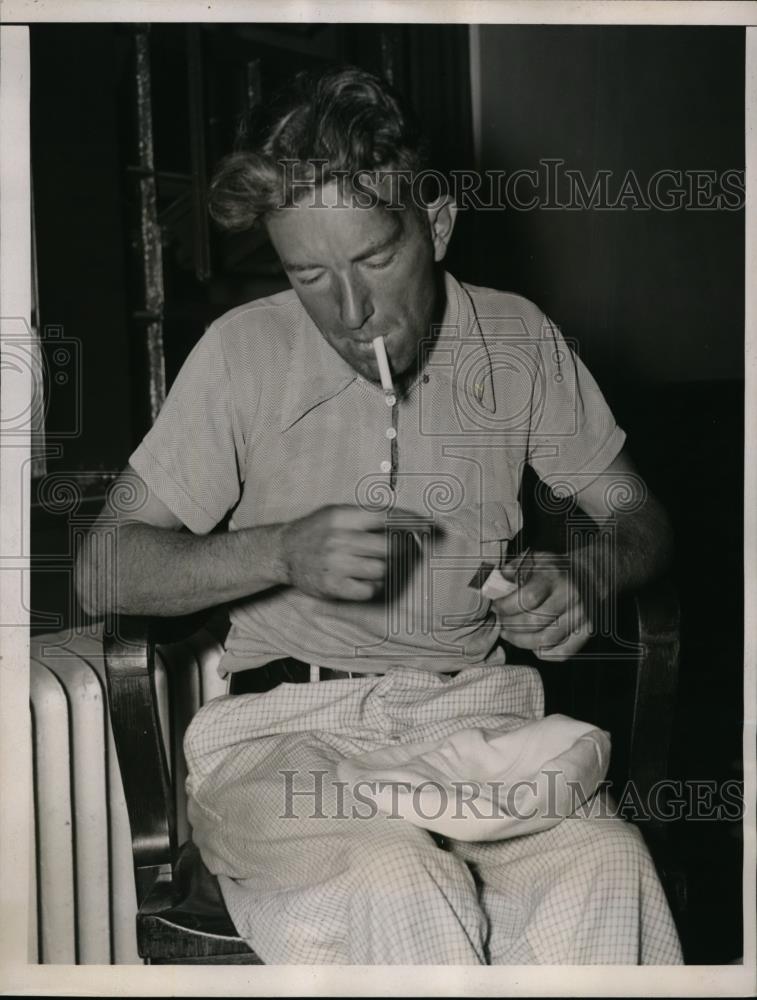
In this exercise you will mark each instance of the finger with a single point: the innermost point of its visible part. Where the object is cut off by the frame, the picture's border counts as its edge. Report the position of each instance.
(358, 568)
(404, 519)
(529, 596)
(522, 624)
(576, 638)
(539, 589)
(350, 518)
(530, 640)
(557, 603)
(558, 630)
(356, 518)
(347, 589)
(361, 543)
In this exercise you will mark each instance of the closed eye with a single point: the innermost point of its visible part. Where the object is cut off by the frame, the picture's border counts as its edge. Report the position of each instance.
(379, 262)
(309, 279)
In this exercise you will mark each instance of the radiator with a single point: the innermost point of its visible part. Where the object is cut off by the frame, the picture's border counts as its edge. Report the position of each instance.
(82, 894)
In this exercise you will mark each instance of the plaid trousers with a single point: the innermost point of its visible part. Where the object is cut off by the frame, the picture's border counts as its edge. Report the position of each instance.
(311, 875)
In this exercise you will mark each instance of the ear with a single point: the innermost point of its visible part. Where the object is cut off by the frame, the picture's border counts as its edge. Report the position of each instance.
(441, 215)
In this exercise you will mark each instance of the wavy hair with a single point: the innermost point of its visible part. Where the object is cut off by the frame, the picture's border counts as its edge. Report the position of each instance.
(338, 124)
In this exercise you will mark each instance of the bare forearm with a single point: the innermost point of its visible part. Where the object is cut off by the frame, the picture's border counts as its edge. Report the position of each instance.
(636, 549)
(157, 571)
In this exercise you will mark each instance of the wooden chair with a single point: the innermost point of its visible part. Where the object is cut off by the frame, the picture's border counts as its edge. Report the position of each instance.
(625, 684)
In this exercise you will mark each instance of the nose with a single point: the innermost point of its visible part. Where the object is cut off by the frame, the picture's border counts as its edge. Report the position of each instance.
(355, 305)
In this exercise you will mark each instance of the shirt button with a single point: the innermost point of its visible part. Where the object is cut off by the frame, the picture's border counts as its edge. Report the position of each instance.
(386, 466)
(391, 433)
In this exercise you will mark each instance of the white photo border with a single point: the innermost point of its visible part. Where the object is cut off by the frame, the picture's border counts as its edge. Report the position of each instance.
(16, 975)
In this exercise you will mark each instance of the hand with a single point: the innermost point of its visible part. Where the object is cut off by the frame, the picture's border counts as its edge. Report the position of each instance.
(337, 552)
(547, 613)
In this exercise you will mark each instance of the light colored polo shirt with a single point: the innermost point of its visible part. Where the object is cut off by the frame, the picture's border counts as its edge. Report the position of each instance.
(267, 421)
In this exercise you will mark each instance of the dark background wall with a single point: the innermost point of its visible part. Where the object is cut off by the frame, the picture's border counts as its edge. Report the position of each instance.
(81, 241)
(655, 295)
(653, 299)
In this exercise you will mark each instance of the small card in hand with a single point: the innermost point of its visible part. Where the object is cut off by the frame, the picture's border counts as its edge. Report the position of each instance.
(490, 581)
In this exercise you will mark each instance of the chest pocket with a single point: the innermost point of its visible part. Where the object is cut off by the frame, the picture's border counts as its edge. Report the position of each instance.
(500, 522)
(478, 534)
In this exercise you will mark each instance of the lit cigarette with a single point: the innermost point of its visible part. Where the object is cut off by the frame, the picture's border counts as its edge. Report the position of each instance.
(383, 367)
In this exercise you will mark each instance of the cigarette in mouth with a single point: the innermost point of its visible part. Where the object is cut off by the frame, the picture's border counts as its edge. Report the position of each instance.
(383, 367)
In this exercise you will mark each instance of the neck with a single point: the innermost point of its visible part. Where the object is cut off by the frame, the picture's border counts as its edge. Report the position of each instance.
(404, 382)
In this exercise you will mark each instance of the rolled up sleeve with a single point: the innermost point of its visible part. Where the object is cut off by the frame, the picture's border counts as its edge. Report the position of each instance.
(190, 458)
(573, 435)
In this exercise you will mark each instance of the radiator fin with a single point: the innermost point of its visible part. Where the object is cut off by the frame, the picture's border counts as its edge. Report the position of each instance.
(123, 893)
(52, 794)
(32, 947)
(82, 892)
(86, 704)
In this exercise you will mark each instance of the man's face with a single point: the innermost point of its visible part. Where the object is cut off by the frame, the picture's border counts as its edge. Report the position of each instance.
(360, 273)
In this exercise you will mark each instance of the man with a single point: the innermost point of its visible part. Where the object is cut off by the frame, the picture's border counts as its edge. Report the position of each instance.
(357, 519)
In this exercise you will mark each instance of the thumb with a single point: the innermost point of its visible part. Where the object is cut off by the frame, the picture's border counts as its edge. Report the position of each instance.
(497, 585)
(519, 569)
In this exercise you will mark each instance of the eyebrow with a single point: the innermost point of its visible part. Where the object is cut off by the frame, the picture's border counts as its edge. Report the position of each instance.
(369, 251)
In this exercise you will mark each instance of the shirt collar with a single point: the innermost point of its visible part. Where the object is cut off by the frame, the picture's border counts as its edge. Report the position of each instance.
(472, 373)
(319, 373)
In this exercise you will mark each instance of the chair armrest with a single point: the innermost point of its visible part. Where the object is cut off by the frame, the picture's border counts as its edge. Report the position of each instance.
(626, 683)
(129, 647)
(130, 674)
(658, 621)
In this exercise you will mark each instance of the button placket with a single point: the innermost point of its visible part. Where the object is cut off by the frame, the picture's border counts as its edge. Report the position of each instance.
(391, 433)
(389, 466)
